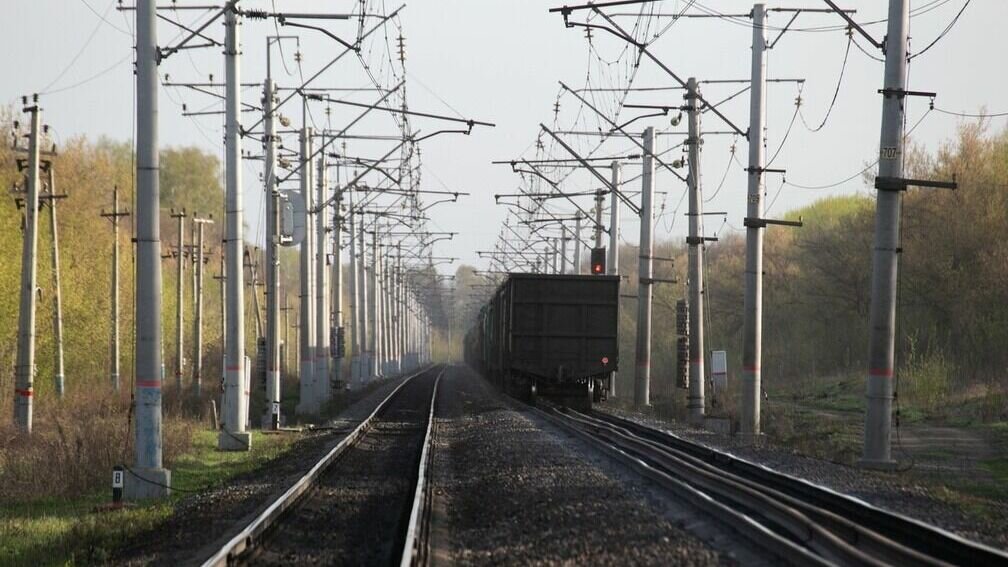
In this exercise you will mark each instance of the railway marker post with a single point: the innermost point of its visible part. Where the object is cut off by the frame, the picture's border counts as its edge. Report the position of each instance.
(234, 409)
(642, 376)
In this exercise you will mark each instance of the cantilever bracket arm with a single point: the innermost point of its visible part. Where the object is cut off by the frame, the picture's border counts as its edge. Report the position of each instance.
(285, 22)
(163, 54)
(584, 163)
(622, 131)
(622, 34)
(855, 25)
(556, 188)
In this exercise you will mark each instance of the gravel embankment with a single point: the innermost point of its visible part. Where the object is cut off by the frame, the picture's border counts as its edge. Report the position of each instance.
(203, 519)
(892, 491)
(358, 511)
(509, 490)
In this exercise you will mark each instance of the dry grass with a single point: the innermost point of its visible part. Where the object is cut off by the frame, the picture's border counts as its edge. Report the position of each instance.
(74, 444)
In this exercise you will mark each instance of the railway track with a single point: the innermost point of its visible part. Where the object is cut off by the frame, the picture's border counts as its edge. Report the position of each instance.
(792, 520)
(364, 502)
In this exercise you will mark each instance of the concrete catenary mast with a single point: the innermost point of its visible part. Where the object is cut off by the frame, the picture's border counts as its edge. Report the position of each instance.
(233, 435)
(147, 477)
(642, 377)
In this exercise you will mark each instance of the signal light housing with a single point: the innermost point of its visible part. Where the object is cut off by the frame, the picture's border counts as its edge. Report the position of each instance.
(598, 261)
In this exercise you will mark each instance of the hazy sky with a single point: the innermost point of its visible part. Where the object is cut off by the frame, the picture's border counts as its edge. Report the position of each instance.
(501, 60)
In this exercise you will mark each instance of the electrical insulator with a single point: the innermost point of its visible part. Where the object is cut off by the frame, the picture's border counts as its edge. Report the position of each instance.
(682, 318)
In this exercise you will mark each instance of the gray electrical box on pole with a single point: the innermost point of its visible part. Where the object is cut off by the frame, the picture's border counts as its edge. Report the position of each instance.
(147, 478)
(695, 402)
(752, 327)
(885, 257)
(642, 377)
(113, 217)
(233, 436)
(24, 386)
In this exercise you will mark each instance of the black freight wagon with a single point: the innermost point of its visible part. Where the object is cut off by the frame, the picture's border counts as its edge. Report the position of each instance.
(549, 335)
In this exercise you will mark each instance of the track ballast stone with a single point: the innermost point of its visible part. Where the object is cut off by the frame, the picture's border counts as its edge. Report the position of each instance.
(509, 491)
(357, 513)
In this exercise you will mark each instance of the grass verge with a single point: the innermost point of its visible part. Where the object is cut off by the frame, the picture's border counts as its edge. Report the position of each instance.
(76, 531)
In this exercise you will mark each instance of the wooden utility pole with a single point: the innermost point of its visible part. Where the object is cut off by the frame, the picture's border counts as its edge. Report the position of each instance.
(113, 217)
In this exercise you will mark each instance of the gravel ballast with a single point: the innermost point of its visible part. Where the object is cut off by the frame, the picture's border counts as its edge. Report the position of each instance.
(206, 520)
(509, 489)
(358, 510)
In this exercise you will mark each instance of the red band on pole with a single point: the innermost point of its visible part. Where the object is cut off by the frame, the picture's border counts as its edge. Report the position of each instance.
(148, 384)
(23, 393)
(750, 368)
(881, 372)
(233, 368)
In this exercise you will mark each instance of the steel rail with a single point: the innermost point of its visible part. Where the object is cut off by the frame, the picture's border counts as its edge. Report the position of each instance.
(833, 537)
(783, 550)
(415, 545)
(252, 533)
(910, 532)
